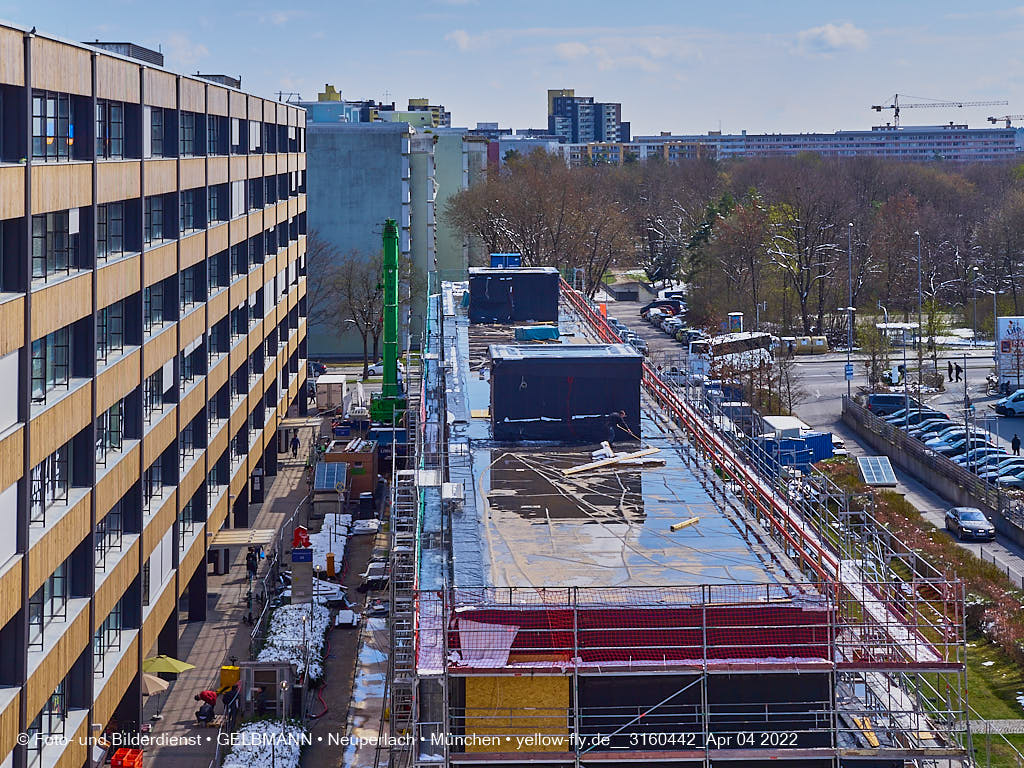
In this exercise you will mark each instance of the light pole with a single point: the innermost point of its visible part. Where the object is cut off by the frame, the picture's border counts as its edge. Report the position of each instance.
(974, 291)
(757, 313)
(920, 328)
(849, 305)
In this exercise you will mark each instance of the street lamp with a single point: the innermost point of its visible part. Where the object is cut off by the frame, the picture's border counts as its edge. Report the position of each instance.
(757, 313)
(849, 305)
(974, 291)
(920, 328)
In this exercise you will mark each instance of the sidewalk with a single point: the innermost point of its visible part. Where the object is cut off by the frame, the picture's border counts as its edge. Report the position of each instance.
(212, 643)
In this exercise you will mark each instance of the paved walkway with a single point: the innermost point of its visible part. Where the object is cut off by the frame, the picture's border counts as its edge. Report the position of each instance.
(212, 643)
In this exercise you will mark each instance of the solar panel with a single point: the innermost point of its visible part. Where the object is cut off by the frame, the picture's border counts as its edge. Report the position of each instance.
(328, 475)
(876, 470)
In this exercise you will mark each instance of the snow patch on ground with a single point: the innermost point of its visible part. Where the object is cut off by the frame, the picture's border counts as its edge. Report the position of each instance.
(285, 637)
(262, 743)
(332, 537)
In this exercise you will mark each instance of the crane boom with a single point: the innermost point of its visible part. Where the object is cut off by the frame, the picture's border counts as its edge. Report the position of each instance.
(896, 106)
(1008, 118)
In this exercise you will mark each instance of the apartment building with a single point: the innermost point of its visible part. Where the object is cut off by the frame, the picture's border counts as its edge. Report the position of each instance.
(152, 337)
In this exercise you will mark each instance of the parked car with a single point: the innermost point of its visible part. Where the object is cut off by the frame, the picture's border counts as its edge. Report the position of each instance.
(315, 369)
(885, 403)
(377, 369)
(640, 345)
(912, 417)
(1012, 405)
(1009, 466)
(946, 436)
(654, 316)
(962, 446)
(973, 458)
(929, 426)
(969, 523)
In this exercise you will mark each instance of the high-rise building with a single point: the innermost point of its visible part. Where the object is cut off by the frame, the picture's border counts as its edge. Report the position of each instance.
(579, 119)
(152, 337)
(441, 117)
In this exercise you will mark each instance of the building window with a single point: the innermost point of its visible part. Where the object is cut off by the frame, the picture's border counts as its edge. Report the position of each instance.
(145, 582)
(49, 603)
(154, 219)
(51, 481)
(156, 132)
(187, 134)
(152, 484)
(186, 523)
(216, 203)
(53, 129)
(50, 363)
(152, 307)
(213, 131)
(109, 533)
(255, 194)
(239, 259)
(110, 331)
(51, 244)
(109, 129)
(109, 432)
(107, 637)
(216, 272)
(109, 230)
(187, 210)
(48, 725)
(189, 293)
(153, 395)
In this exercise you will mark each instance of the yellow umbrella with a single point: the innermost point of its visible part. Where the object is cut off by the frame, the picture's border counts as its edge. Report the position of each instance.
(163, 663)
(152, 684)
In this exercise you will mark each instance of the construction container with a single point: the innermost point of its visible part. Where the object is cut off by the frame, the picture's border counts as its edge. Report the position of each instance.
(570, 393)
(513, 295)
(229, 675)
(536, 332)
(819, 444)
(506, 260)
(361, 457)
(330, 390)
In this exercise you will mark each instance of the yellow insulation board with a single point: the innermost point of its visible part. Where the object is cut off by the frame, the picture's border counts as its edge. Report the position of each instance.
(529, 714)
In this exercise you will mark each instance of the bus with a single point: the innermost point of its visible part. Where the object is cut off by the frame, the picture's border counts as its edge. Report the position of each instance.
(730, 354)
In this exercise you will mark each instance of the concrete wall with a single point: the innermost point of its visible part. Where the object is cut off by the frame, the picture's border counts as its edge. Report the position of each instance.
(422, 192)
(452, 176)
(357, 176)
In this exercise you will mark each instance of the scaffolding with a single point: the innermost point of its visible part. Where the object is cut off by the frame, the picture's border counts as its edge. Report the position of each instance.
(873, 620)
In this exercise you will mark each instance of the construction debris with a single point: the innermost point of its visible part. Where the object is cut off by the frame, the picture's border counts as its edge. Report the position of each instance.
(618, 458)
(684, 524)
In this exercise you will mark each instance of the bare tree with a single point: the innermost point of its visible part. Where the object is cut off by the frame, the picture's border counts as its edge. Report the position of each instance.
(356, 297)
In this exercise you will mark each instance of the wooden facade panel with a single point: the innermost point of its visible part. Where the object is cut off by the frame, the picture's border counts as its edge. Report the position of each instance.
(61, 67)
(218, 515)
(218, 376)
(117, 79)
(158, 438)
(77, 750)
(158, 613)
(12, 187)
(239, 167)
(302, 163)
(193, 249)
(217, 307)
(217, 170)
(117, 683)
(282, 114)
(217, 239)
(255, 166)
(193, 95)
(161, 89)
(256, 222)
(117, 280)
(255, 108)
(115, 482)
(160, 522)
(161, 176)
(160, 349)
(236, 104)
(12, 69)
(118, 380)
(116, 582)
(10, 590)
(12, 445)
(239, 479)
(238, 417)
(192, 326)
(9, 729)
(12, 320)
(117, 180)
(192, 403)
(269, 165)
(217, 101)
(60, 186)
(60, 422)
(160, 263)
(238, 292)
(192, 560)
(193, 172)
(238, 230)
(60, 304)
(218, 444)
(270, 111)
(57, 543)
(190, 482)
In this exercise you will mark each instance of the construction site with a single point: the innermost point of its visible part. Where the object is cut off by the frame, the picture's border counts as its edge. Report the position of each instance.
(586, 569)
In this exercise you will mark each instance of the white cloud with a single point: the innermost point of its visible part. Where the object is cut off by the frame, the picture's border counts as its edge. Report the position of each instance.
(832, 38)
(184, 54)
(570, 51)
(462, 39)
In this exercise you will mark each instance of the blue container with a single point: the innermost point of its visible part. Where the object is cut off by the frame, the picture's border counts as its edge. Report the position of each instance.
(820, 444)
(342, 431)
(536, 332)
(506, 260)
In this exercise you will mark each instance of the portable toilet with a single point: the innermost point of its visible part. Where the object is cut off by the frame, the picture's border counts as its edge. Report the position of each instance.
(735, 322)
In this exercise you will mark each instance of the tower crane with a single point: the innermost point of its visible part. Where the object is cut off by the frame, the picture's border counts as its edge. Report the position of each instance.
(1008, 118)
(895, 105)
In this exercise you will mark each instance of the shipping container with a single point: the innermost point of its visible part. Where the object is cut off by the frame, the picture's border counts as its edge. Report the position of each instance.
(513, 295)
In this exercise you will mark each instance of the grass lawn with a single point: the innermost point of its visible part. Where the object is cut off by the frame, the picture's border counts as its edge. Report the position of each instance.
(993, 684)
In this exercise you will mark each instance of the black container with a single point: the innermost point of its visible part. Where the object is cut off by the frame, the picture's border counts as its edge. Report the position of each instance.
(569, 393)
(513, 295)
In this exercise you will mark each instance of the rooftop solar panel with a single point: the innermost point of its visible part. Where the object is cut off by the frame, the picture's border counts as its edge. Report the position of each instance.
(329, 475)
(876, 470)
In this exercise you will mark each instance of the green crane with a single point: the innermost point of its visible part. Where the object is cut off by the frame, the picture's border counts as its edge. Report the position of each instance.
(386, 408)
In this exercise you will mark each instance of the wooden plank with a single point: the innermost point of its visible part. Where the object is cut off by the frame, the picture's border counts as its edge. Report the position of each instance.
(12, 444)
(117, 682)
(117, 180)
(114, 483)
(10, 589)
(117, 280)
(46, 676)
(9, 722)
(609, 462)
(684, 524)
(57, 543)
(161, 90)
(161, 263)
(59, 186)
(60, 422)
(12, 72)
(61, 304)
(12, 189)
(116, 582)
(117, 79)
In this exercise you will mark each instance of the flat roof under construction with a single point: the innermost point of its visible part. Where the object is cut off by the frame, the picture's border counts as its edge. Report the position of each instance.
(525, 523)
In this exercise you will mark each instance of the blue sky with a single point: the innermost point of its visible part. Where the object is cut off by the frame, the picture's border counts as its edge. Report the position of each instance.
(676, 65)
